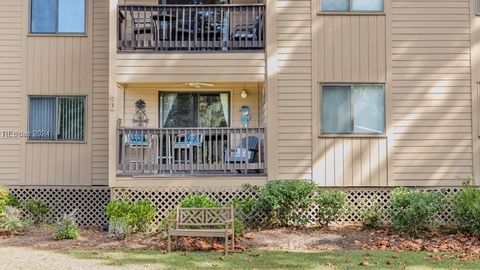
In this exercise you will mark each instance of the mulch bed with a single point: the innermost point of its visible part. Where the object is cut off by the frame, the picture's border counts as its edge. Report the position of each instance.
(440, 243)
(437, 242)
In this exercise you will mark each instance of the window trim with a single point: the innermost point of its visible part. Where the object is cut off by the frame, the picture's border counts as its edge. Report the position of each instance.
(57, 33)
(85, 119)
(219, 91)
(352, 135)
(350, 12)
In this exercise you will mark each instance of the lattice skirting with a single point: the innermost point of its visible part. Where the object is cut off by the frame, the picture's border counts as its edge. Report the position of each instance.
(87, 202)
(360, 199)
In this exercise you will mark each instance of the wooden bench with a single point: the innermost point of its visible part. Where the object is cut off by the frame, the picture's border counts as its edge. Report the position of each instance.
(204, 222)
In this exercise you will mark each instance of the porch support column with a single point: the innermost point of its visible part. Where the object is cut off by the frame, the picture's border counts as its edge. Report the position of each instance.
(112, 86)
(272, 89)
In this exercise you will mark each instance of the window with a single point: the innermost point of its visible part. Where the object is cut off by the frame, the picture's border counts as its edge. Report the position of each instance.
(353, 109)
(57, 118)
(352, 5)
(57, 16)
(194, 110)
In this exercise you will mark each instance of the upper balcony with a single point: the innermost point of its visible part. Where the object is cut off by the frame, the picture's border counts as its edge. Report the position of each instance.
(192, 28)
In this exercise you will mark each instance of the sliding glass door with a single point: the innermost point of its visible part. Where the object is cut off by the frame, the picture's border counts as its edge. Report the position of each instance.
(199, 109)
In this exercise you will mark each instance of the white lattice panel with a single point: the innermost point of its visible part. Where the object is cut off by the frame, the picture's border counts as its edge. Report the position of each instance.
(88, 203)
(360, 199)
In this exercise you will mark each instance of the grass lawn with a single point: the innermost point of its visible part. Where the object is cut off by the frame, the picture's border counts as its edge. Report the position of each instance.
(266, 259)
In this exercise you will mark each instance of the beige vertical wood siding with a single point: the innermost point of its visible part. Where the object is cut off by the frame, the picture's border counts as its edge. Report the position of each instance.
(54, 65)
(351, 48)
(431, 88)
(11, 26)
(60, 65)
(351, 162)
(348, 49)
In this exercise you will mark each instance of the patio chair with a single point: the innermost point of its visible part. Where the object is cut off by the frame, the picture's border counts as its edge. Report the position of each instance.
(143, 26)
(247, 31)
(186, 142)
(246, 153)
(136, 139)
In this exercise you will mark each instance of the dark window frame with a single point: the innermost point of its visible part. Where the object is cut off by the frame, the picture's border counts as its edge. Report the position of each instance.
(350, 10)
(352, 116)
(57, 32)
(57, 118)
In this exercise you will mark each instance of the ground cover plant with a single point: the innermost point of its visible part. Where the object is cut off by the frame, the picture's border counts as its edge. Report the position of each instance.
(66, 227)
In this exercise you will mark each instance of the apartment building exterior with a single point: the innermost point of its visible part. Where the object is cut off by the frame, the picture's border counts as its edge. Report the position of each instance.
(130, 94)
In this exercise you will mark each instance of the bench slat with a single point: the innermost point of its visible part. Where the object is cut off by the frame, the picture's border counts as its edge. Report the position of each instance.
(200, 233)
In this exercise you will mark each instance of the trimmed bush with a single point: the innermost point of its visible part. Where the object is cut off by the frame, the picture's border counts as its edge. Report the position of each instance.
(36, 209)
(66, 228)
(466, 208)
(285, 201)
(413, 210)
(198, 201)
(127, 217)
(331, 204)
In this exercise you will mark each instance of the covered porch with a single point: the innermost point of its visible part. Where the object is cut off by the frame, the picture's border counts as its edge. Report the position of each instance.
(191, 129)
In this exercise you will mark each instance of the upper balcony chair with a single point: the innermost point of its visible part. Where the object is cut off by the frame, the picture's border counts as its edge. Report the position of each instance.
(244, 154)
(248, 32)
(144, 30)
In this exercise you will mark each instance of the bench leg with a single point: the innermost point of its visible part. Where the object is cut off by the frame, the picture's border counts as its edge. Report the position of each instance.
(226, 244)
(176, 243)
(233, 242)
(169, 244)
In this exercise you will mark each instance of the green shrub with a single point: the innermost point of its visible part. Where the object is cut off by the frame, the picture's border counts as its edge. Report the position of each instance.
(13, 201)
(66, 228)
(331, 204)
(36, 209)
(371, 218)
(198, 201)
(3, 199)
(142, 214)
(12, 220)
(413, 209)
(466, 208)
(284, 202)
(129, 217)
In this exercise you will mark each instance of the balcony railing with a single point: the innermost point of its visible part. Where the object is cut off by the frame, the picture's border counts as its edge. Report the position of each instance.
(191, 151)
(191, 27)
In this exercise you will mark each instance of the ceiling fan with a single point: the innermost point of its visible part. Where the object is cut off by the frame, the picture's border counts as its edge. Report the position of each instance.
(199, 84)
